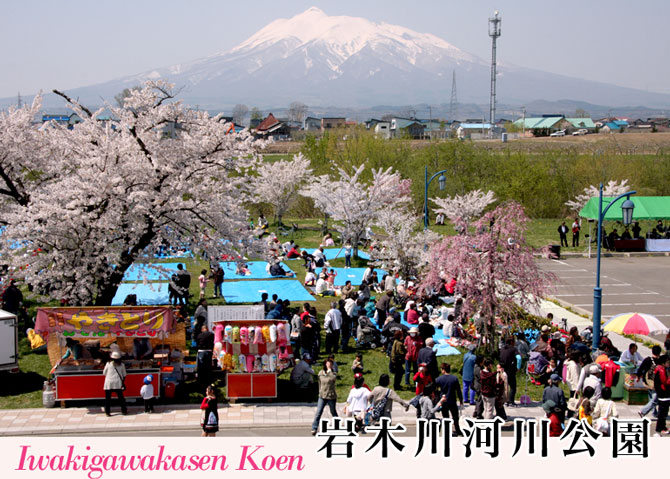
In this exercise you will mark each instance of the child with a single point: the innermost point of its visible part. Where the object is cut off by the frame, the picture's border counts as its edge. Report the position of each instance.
(331, 358)
(210, 417)
(147, 393)
(584, 407)
(202, 279)
(555, 424)
(310, 278)
(357, 365)
(331, 278)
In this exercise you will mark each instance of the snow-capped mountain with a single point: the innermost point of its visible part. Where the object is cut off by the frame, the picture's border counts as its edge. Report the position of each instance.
(348, 61)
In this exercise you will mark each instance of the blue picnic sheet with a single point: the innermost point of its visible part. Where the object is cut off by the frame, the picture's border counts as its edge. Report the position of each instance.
(332, 252)
(150, 271)
(250, 291)
(256, 268)
(147, 294)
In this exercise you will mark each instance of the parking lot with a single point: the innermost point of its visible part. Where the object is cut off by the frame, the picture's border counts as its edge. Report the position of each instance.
(629, 284)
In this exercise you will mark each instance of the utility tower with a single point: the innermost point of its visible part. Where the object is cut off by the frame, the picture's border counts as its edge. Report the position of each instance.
(494, 33)
(453, 104)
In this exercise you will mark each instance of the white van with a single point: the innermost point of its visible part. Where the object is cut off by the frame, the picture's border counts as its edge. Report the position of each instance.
(9, 342)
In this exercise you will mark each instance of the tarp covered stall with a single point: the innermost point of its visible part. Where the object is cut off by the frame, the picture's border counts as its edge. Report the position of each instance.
(646, 208)
(99, 327)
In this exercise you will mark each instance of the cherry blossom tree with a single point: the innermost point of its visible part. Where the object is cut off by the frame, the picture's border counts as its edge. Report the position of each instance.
(159, 174)
(462, 209)
(278, 182)
(404, 247)
(494, 268)
(354, 204)
(23, 148)
(612, 188)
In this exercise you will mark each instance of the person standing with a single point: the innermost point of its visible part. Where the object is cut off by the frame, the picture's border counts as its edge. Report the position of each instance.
(347, 255)
(398, 354)
(333, 325)
(451, 392)
(210, 415)
(183, 284)
(427, 355)
(576, 227)
(218, 276)
(662, 388)
(382, 307)
(563, 233)
(468, 373)
(556, 394)
(12, 298)
(383, 394)
(413, 343)
(205, 344)
(508, 361)
(327, 393)
(488, 389)
(147, 393)
(646, 373)
(115, 375)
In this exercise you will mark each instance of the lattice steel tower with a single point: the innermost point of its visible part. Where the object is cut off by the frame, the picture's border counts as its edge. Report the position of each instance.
(494, 33)
(453, 104)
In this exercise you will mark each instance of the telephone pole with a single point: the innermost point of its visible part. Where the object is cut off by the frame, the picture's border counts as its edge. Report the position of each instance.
(453, 104)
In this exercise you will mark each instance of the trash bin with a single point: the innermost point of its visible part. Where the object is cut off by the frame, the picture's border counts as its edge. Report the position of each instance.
(504, 137)
(555, 251)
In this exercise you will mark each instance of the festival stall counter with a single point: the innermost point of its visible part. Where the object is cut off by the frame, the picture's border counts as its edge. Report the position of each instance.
(252, 351)
(80, 340)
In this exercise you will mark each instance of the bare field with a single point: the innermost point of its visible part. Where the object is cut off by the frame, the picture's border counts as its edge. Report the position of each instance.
(623, 143)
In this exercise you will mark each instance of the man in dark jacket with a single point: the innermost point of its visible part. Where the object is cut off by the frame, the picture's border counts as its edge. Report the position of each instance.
(12, 298)
(183, 284)
(477, 386)
(556, 394)
(426, 330)
(645, 372)
(451, 391)
(508, 361)
(205, 342)
(428, 356)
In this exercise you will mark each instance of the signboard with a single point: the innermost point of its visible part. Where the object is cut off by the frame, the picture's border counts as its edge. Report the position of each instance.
(216, 314)
(122, 321)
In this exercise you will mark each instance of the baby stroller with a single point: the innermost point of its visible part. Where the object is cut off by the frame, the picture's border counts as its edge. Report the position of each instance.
(367, 334)
(537, 364)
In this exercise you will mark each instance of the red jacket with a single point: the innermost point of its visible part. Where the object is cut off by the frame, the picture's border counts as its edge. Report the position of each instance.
(422, 379)
(555, 426)
(661, 382)
(412, 345)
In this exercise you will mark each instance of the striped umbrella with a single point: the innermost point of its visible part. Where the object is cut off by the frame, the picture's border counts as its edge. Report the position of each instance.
(635, 323)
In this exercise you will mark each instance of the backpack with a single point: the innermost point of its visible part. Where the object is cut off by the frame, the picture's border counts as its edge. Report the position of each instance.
(375, 412)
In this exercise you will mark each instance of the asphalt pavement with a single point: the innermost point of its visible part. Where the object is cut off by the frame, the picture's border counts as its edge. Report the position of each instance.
(637, 284)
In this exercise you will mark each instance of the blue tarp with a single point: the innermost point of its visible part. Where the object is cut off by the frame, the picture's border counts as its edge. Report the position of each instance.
(332, 252)
(250, 291)
(257, 269)
(147, 294)
(150, 271)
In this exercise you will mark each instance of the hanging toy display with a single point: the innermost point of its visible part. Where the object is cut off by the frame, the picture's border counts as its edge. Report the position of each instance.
(265, 362)
(258, 364)
(273, 334)
(228, 334)
(236, 334)
(243, 363)
(273, 362)
(244, 335)
(281, 333)
(251, 335)
(218, 333)
(250, 363)
(266, 334)
(258, 335)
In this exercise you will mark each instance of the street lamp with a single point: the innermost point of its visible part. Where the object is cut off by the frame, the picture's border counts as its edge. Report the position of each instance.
(627, 217)
(442, 181)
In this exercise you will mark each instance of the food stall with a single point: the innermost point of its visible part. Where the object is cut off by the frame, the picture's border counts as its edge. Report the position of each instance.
(80, 340)
(252, 351)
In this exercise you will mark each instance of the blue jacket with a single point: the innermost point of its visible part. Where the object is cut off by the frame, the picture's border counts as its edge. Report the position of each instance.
(469, 366)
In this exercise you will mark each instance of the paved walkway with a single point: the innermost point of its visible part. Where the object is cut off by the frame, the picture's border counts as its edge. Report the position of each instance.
(71, 421)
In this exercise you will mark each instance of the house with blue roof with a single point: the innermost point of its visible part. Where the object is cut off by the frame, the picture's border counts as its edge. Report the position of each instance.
(407, 127)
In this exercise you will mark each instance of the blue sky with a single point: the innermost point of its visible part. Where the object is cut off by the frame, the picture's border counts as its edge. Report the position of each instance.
(68, 44)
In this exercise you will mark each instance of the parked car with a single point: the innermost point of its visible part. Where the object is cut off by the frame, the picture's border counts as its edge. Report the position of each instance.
(558, 133)
(580, 132)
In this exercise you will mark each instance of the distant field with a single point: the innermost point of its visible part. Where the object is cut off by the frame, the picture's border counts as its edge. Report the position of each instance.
(626, 143)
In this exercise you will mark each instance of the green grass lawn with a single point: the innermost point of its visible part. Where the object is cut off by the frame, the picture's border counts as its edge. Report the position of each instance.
(24, 389)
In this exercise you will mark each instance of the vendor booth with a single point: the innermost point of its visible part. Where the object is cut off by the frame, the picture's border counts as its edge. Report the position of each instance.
(80, 341)
(252, 350)
(646, 208)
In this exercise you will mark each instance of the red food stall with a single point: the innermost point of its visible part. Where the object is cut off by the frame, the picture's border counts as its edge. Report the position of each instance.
(79, 341)
(252, 352)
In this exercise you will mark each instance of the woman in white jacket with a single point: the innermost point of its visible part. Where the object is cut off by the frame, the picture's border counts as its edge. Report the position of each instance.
(115, 374)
